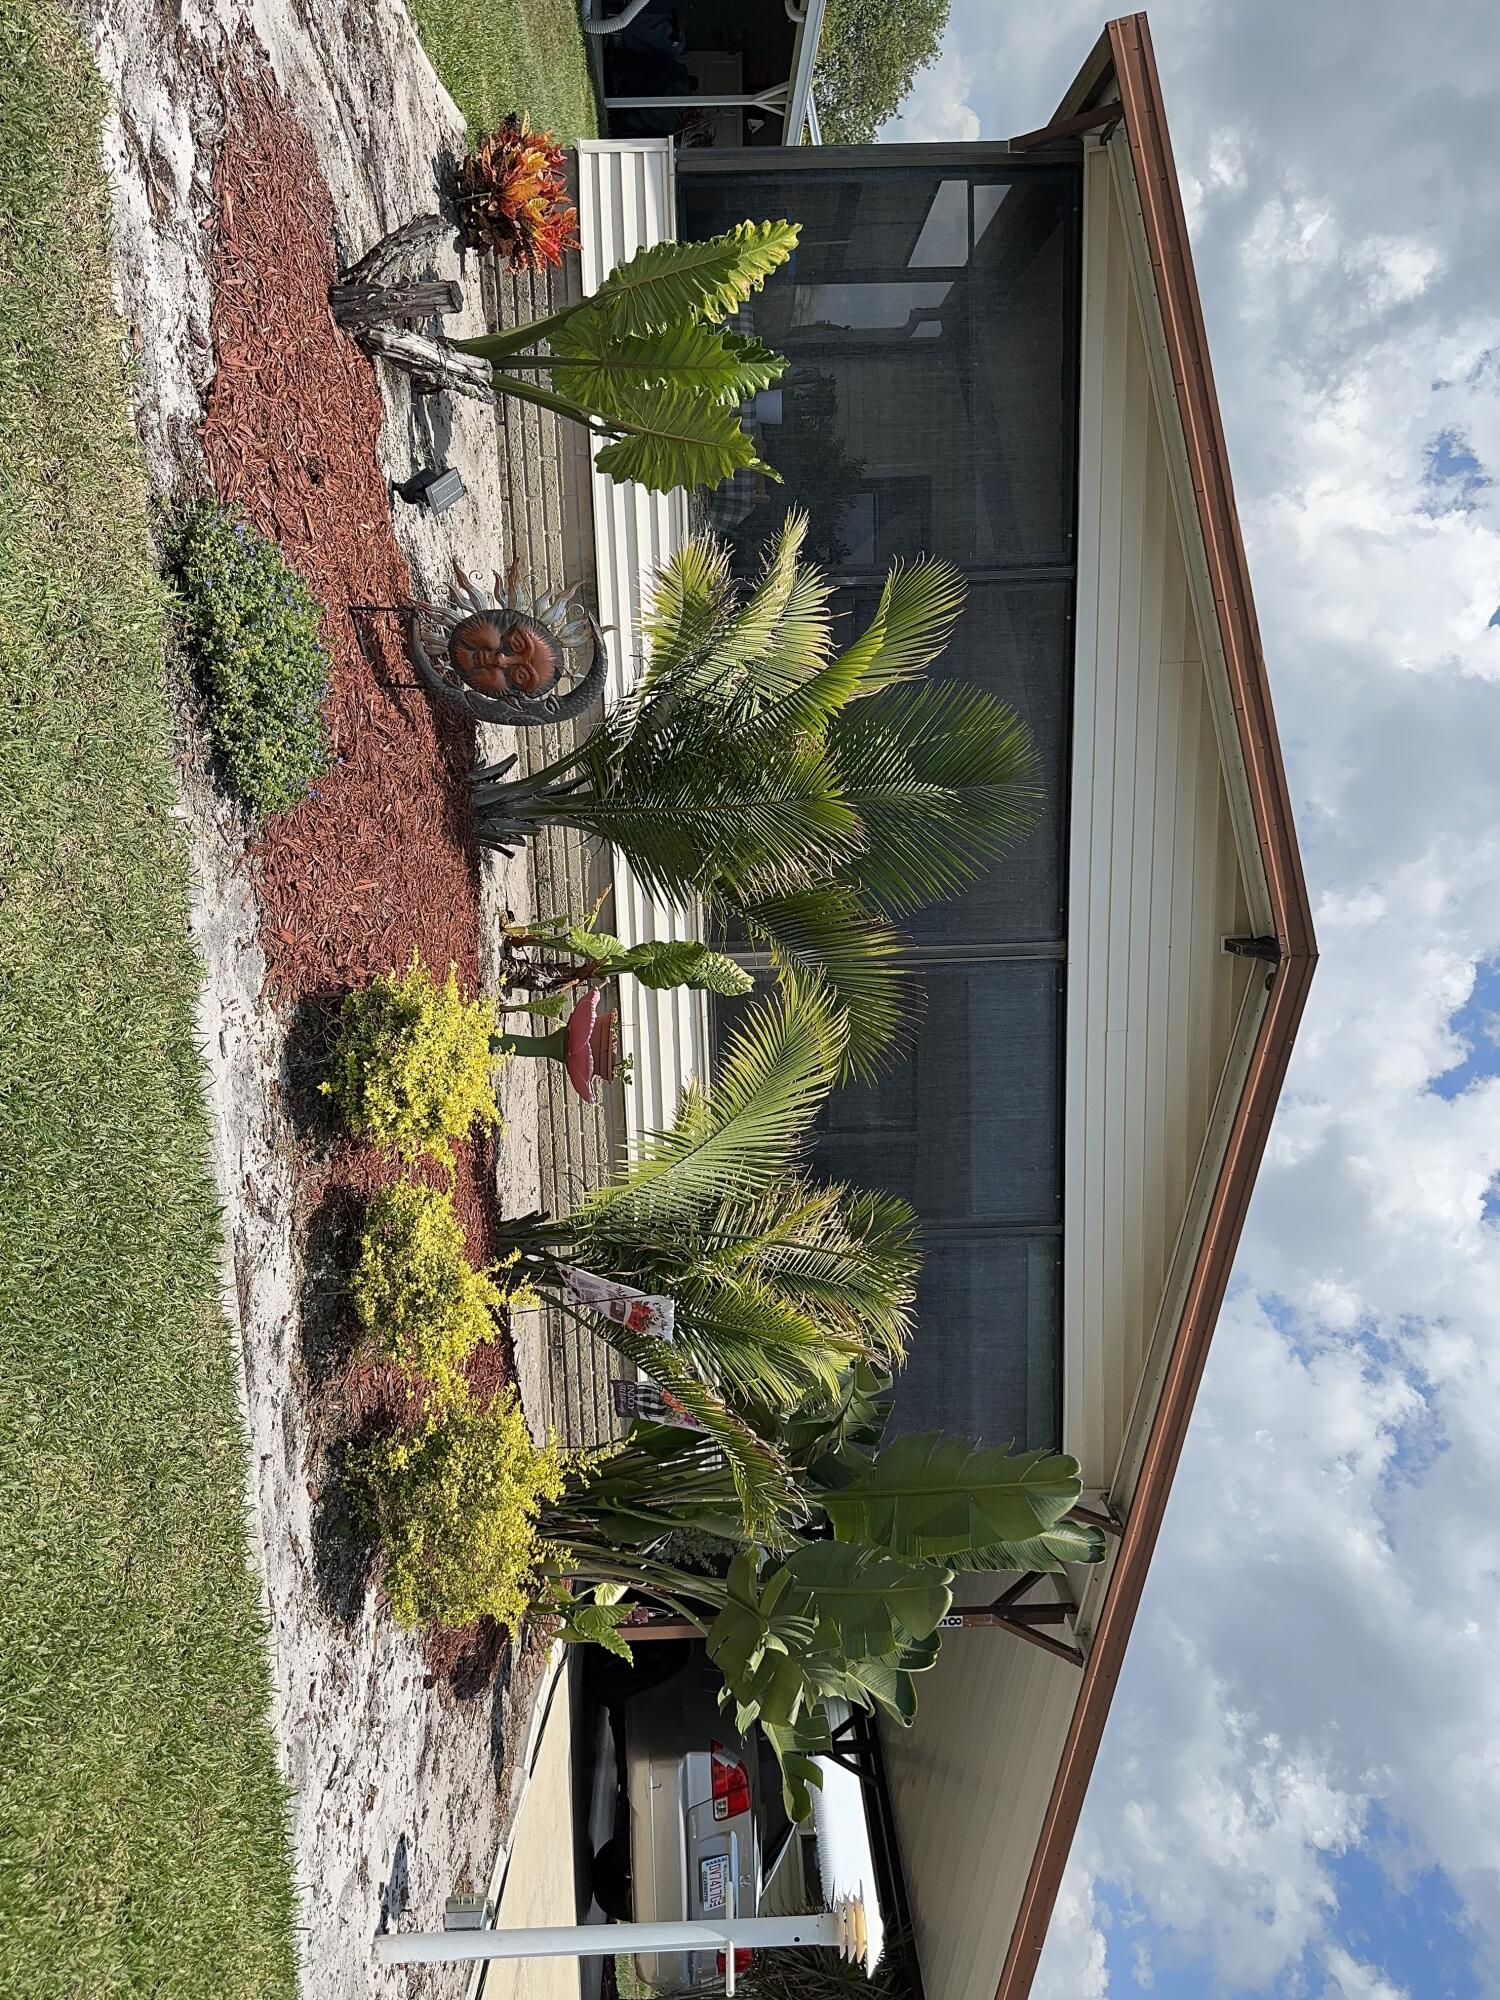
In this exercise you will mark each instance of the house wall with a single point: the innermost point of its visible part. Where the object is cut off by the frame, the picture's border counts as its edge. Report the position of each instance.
(627, 202)
(969, 1784)
(1158, 1019)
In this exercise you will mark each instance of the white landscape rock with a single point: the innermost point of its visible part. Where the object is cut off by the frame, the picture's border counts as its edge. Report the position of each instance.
(393, 1785)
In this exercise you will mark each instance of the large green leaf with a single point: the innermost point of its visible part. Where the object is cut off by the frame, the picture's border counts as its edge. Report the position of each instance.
(1046, 1553)
(869, 1603)
(889, 1683)
(763, 1620)
(605, 367)
(745, 1139)
(707, 280)
(660, 963)
(667, 962)
(929, 1497)
(674, 437)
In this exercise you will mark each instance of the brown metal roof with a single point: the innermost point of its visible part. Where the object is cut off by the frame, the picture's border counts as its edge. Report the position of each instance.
(1125, 59)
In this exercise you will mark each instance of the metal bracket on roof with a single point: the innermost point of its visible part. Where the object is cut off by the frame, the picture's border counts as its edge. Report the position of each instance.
(1009, 1614)
(1102, 119)
(1266, 948)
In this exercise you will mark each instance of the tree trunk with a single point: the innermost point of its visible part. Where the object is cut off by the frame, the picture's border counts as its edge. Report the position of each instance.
(380, 264)
(434, 365)
(357, 306)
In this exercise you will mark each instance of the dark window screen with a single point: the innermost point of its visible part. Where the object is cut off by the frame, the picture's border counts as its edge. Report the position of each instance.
(929, 403)
(929, 315)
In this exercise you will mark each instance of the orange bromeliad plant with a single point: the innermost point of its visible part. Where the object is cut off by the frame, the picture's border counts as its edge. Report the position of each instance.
(512, 197)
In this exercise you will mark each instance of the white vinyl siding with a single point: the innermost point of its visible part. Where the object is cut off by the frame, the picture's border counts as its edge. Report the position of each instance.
(626, 202)
(1155, 882)
(969, 1784)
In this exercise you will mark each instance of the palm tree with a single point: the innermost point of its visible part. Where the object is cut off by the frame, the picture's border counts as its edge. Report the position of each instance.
(815, 794)
(778, 1285)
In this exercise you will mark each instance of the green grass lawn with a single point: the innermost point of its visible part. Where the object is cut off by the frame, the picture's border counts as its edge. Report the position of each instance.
(142, 1828)
(512, 55)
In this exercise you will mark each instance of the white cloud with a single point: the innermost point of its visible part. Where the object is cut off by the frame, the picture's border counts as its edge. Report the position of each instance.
(938, 106)
(1349, 1980)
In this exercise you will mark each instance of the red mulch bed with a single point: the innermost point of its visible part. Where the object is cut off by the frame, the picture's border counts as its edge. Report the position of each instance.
(380, 862)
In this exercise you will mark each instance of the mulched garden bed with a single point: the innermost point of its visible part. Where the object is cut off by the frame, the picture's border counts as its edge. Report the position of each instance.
(380, 862)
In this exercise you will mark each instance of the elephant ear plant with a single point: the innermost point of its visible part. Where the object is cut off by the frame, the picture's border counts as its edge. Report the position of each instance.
(644, 363)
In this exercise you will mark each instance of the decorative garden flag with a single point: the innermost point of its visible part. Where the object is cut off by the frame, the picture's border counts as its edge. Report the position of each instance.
(637, 1312)
(644, 1402)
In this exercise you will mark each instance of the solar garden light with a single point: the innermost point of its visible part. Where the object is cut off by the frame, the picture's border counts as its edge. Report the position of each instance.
(437, 488)
(844, 1930)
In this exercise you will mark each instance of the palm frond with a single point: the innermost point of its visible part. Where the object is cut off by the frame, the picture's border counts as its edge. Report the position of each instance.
(692, 599)
(918, 609)
(845, 1258)
(754, 1342)
(745, 1138)
(828, 931)
(689, 805)
(763, 1481)
(943, 778)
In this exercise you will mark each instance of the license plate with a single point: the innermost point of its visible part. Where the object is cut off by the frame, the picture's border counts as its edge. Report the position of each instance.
(713, 1882)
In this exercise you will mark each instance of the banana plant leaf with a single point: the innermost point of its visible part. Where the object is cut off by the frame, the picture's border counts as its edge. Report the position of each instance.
(1047, 1553)
(930, 1497)
(869, 1604)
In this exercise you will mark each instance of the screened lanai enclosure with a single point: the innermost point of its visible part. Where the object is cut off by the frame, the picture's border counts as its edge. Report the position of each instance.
(930, 316)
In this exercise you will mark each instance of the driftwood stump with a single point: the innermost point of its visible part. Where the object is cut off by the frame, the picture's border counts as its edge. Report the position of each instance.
(356, 306)
(373, 302)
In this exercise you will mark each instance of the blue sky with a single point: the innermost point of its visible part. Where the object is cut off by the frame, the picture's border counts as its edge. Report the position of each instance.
(1299, 1790)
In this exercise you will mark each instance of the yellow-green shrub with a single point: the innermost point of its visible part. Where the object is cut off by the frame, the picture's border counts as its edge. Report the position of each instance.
(415, 1291)
(413, 1069)
(456, 1506)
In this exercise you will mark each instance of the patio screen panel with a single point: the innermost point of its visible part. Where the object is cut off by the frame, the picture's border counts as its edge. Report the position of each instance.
(930, 318)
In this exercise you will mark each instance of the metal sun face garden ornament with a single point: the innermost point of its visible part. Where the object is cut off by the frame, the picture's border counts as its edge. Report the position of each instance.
(510, 657)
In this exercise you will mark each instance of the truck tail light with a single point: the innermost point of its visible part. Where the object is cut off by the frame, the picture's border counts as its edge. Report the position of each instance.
(742, 1959)
(731, 1784)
